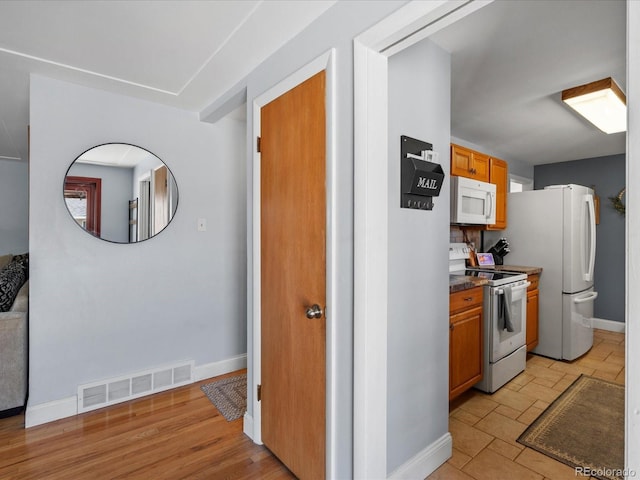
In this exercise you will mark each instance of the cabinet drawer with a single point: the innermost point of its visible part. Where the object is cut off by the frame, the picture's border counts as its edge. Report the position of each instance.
(465, 299)
(534, 280)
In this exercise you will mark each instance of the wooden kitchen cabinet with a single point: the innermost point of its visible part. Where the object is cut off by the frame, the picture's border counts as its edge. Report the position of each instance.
(465, 340)
(469, 163)
(499, 176)
(533, 295)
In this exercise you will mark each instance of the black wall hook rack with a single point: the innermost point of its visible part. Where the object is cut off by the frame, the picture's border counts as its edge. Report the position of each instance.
(421, 179)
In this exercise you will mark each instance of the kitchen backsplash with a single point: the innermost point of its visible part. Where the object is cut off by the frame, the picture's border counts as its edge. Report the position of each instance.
(457, 235)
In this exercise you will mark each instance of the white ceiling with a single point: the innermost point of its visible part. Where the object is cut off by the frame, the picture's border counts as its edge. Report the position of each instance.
(510, 61)
(120, 155)
(184, 54)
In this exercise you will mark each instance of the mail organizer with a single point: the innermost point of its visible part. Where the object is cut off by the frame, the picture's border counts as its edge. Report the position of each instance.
(421, 178)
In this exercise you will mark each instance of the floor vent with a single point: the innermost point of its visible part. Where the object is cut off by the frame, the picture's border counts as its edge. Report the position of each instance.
(116, 390)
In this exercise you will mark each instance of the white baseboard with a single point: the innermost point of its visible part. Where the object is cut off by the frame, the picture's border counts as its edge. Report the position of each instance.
(247, 425)
(50, 411)
(608, 325)
(426, 461)
(68, 407)
(210, 370)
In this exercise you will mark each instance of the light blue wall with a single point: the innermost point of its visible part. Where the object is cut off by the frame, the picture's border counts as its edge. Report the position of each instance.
(14, 207)
(607, 174)
(100, 309)
(418, 302)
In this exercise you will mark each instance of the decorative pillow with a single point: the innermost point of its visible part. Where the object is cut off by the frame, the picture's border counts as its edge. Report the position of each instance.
(4, 260)
(12, 277)
(23, 259)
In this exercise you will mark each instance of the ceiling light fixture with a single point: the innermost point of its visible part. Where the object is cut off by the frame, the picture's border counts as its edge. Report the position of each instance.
(601, 102)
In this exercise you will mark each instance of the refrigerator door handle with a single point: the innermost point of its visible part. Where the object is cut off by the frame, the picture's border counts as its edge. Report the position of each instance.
(591, 237)
(589, 298)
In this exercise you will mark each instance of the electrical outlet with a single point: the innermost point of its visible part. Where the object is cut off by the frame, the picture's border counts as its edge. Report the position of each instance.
(202, 224)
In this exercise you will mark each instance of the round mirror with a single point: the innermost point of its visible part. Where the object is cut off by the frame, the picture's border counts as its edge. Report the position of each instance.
(120, 193)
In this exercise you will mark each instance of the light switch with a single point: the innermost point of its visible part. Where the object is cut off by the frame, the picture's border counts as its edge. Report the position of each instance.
(202, 224)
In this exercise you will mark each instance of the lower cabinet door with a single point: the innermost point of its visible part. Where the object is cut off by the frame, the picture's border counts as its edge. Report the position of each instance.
(465, 350)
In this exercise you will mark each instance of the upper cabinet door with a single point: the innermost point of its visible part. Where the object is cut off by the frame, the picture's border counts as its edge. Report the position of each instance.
(469, 163)
(461, 160)
(498, 175)
(481, 167)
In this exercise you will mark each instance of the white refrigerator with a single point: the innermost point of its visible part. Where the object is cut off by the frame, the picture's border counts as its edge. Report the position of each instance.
(555, 229)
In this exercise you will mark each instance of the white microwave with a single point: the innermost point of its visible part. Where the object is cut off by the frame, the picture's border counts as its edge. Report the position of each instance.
(472, 201)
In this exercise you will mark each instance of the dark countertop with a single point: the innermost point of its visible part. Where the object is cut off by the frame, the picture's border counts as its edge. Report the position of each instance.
(520, 269)
(460, 282)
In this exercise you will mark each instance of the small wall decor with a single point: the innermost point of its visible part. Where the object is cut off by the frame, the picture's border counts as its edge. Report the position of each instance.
(618, 204)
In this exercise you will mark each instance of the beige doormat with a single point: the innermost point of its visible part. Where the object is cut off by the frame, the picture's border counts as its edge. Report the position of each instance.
(583, 428)
(229, 396)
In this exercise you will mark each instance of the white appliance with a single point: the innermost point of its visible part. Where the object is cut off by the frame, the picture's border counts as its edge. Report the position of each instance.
(472, 201)
(555, 229)
(504, 315)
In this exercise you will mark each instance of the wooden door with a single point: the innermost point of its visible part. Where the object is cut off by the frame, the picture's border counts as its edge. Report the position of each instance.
(293, 277)
(160, 199)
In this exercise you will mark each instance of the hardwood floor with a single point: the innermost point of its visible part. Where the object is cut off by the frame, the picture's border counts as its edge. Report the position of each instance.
(179, 434)
(174, 435)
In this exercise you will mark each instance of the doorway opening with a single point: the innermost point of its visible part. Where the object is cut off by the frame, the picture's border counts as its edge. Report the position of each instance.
(83, 196)
(371, 50)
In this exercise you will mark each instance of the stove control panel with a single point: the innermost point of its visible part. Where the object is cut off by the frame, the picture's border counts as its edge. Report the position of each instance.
(458, 254)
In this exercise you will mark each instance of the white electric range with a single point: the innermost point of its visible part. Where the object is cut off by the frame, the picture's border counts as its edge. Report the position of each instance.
(504, 316)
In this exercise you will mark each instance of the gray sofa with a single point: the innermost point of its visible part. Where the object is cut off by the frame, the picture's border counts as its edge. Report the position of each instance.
(14, 343)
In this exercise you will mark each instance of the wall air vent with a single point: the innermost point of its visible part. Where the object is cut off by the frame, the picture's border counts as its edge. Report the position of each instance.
(92, 396)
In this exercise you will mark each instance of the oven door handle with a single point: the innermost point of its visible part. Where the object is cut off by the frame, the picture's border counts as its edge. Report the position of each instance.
(524, 286)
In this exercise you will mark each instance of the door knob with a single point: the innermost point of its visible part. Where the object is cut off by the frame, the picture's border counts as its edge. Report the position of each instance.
(314, 311)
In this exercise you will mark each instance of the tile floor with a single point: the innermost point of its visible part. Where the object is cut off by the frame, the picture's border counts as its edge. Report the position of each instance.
(485, 427)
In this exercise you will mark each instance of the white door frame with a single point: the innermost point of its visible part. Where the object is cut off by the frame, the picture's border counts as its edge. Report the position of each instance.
(408, 25)
(632, 261)
(253, 428)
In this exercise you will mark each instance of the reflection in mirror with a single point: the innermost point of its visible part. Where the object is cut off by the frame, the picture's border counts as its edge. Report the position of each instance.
(120, 193)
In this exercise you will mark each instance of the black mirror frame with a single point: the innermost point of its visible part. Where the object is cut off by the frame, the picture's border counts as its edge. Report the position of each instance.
(170, 173)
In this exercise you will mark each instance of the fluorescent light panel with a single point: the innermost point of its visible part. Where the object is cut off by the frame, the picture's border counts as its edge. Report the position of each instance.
(601, 102)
